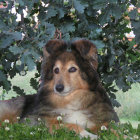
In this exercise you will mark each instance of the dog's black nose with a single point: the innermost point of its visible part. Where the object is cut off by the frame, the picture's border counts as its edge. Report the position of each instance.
(59, 88)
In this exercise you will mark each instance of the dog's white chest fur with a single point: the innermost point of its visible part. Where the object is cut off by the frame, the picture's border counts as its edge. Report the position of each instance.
(75, 116)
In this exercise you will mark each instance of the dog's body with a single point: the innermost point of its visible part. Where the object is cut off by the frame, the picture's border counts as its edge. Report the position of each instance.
(70, 88)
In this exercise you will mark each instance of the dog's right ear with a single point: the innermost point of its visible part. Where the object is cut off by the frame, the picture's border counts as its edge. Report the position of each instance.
(88, 51)
(52, 46)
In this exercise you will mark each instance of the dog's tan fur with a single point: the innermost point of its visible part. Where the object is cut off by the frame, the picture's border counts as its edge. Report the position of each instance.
(83, 100)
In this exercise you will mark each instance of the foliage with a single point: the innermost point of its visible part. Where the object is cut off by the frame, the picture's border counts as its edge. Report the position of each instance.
(22, 131)
(101, 21)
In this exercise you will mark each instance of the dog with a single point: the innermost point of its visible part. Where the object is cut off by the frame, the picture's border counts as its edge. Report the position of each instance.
(70, 88)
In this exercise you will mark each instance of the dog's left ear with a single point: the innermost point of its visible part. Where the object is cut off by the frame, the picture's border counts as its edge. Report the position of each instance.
(52, 47)
(88, 51)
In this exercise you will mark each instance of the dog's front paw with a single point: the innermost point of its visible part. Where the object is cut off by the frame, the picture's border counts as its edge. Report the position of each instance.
(86, 134)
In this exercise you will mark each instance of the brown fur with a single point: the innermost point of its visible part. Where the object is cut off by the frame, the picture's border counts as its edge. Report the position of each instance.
(82, 95)
(11, 109)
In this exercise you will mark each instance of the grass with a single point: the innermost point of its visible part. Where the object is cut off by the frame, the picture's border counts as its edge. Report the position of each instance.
(40, 132)
(130, 103)
(25, 132)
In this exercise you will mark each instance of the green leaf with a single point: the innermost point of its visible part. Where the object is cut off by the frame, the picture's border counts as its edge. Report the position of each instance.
(35, 55)
(136, 29)
(99, 44)
(61, 12)
(120, 82)
(30, 63)
(2, 25)
(99, 4)
(41, 44)
(68, 27)
(111, 60)
(5, 42)
(79, 6)
(16, 50)
(21, 2)
(112, 95)
(94, 34)
(51, 12)
(115, 103)
(9, 37)
(2, 76)
(50, 30)
(14, 35)
(18, 90)
(132, 14)
(5, 83)
(34, 83)
(12, 72)
(113, 1)
(138, 5)
(7, 65)
(66, 36)
(116, 11)
(105, 16)
(110, 10)
(27, 59)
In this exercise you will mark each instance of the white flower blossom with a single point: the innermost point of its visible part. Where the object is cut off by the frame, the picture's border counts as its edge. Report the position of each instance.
(59, 118)
(63, 114)
(61, 125)
(32, 133)
(126, 131)
(6, 121)
(39, 129)
(112, 121)
(103, 127)
(39, 119)
(11, 136)
(136, 137)
(7, 128)
(18, 118)
(119, 123)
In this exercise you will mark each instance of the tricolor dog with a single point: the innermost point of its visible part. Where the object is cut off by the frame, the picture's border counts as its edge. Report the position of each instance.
(70, 86)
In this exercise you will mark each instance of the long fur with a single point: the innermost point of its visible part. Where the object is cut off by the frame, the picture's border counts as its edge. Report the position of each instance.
(87, 103)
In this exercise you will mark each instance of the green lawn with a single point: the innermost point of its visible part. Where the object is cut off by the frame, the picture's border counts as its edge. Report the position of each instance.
(40, 132)
(130, 105)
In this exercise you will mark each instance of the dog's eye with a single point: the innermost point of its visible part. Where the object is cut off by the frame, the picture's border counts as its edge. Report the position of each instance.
(56, 70)
(72, 69)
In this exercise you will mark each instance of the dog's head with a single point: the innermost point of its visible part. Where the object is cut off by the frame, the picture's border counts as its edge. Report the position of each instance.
(68, 67)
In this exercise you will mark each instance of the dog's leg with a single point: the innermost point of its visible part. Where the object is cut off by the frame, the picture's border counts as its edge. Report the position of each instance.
(54, 123)
(86, 134)
(96, 128)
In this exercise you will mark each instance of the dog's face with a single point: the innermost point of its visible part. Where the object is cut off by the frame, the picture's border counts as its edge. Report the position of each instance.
(65, 72)
(67, 75)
